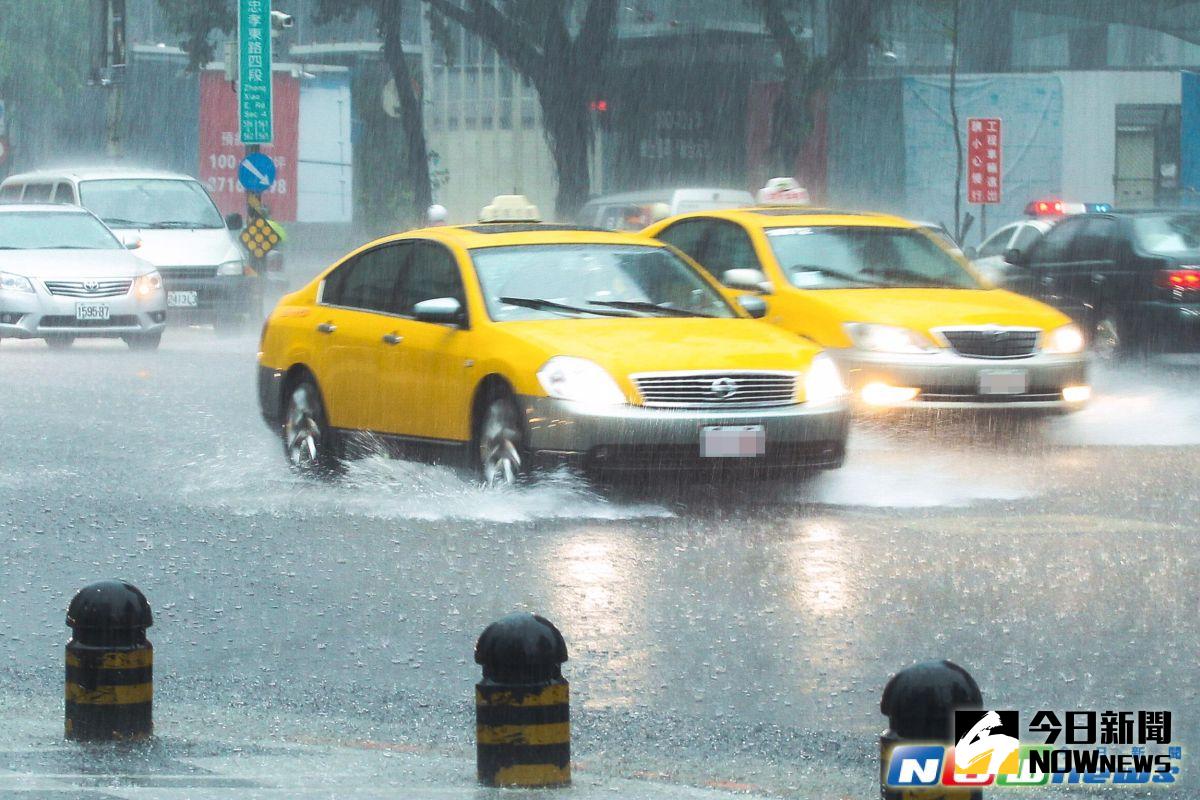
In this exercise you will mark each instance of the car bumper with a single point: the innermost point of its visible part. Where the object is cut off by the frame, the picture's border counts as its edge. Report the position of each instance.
(215, 296)
(35, 316)
(947, 380)
(270, 395)
(632, 438)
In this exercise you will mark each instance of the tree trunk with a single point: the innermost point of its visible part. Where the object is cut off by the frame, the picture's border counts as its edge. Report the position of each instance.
(418, 191)
(568, 125)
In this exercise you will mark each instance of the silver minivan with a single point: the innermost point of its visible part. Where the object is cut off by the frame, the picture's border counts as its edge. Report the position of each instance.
(171, 221)
(633, 211)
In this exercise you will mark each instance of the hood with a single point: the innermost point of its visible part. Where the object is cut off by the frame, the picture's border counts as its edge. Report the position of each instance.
(924, 309)
(199, 247)
(626, 346)
(58, 264)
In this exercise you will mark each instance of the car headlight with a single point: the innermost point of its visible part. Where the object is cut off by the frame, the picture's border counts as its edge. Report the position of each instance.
(887, 338)
(823, 382)
(14, 283)
(1065, 340)
(231, 268)
(148, 284)
(580, 380)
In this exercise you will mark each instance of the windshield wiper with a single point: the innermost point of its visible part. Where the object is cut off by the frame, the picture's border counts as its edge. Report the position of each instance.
(177, 223)
(549, 305)
(833, 273)
(63, 247)
(638, 305)
(125, 223)
(924, 281)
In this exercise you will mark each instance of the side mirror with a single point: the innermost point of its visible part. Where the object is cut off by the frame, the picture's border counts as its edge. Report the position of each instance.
(1016, 257)
(439, 310)
(970, 253)
(131, 242)
(748, 280)
(234, 221)
(752, 305)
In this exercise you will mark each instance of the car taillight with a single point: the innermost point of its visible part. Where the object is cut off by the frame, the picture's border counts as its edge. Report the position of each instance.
(1179, 279)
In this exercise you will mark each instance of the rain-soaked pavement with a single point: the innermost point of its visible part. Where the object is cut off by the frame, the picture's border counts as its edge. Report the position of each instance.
(737, 638)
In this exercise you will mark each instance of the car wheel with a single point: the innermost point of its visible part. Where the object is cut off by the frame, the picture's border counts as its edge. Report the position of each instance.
(502, 457)
(308, 442)
(1109, 339)
(143, 341)
(59, 342)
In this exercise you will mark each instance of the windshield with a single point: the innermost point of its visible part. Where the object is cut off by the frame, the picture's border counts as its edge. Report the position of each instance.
(54, 231)
(592, 280)
(1168, 234)
(864, 257)
(155, 203)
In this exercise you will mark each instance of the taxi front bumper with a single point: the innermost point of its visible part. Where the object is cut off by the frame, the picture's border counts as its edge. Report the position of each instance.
(948, 380)
(633, 438)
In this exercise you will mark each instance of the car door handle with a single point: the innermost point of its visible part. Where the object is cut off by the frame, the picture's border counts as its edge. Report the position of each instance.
(1097, 279)
(1047, 281)
(326, 327)
(391, 338)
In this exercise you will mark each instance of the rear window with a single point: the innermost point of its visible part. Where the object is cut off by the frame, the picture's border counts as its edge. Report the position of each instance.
(1168, 234)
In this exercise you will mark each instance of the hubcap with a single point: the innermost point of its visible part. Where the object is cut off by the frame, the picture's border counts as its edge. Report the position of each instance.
(500, 446)
(301, 433)
(1107, 341)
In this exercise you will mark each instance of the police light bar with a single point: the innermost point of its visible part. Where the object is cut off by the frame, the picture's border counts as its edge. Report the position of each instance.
(510, 208)
(1097, 208)
(1051, 207)
(783, 192)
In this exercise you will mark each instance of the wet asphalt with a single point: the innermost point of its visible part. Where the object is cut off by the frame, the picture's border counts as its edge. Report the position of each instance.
(736, 635)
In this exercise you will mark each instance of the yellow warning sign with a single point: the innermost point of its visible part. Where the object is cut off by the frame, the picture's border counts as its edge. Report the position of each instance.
(259, 237)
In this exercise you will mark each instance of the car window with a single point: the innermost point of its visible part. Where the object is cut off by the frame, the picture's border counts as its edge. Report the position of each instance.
(728, 247)
(1026, 238)
(687, 236)
(861, 257)
(429, 273)
(37, 193)
(150, 203)
(1175, 234)
(54, 230)
(1055, 246)
(63, 193)
(997, 243)
(10, 193)
(1097, 241)
(368, 282)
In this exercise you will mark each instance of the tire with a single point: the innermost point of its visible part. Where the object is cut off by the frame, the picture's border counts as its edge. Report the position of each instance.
(59, 342)
(1111, 340)
(309, 444)
(501, 449)
(143, 341)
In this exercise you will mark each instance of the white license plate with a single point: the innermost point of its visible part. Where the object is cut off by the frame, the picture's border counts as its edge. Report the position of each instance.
(91, 311)
(182, 299)
(1002, 381)
(733, 441)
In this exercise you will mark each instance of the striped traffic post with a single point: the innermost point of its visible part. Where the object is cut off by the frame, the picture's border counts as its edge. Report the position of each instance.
(109, 664)
(522, 705)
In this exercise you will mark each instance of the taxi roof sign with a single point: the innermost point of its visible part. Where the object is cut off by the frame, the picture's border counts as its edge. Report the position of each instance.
(783, 192)
(510, 208)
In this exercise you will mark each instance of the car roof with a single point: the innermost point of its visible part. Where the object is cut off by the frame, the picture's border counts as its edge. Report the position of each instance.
(497, 234)
(645, 195)
(97, 173)
(59, 208)
(801, 216)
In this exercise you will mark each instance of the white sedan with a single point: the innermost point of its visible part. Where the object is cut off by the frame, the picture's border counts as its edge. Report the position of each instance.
(1021, 235)
(64, 275)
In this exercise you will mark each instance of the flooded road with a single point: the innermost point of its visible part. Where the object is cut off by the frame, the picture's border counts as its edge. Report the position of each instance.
(737, 634)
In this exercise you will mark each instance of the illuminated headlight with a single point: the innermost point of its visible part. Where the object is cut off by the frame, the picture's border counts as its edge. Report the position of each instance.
(887, 338)
(14, 283)
(148, 284)
(231, 268)
(579, 380)
(823, 382)
(1065, 340)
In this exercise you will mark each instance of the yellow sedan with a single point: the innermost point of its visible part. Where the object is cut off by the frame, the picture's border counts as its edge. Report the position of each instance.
(909, 322)
(510, 343)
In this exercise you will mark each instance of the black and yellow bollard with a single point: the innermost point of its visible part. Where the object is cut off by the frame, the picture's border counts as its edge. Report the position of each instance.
(920, 702)
(522, 705)
(109, 664)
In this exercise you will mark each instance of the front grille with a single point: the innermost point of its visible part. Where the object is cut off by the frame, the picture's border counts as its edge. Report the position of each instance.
(716, 389)
(1000, 399)
(88, 289)
(187, 273)
(659, 458)
(115, 321)
(992, 342)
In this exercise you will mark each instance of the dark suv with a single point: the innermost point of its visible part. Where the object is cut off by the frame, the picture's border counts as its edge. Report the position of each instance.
(1132, 279)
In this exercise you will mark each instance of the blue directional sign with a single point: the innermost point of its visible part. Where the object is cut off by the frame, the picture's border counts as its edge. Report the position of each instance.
(256, 173)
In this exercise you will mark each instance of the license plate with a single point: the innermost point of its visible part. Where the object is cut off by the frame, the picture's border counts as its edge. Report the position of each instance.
(182, 299)
(91, 311)
(1002, 381)
(733, 441)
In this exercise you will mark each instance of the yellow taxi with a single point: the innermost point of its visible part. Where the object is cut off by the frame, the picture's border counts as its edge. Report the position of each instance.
(512, 342)
(908, 321)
